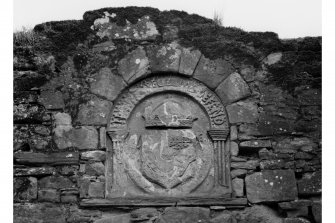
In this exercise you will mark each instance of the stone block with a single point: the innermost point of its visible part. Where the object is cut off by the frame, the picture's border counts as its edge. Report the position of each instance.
(143, 214)
(103, 138)
(276, 164)
(317, 211)
(258, 213)
(69, 196)
(53, 159)
(292, 145)
(77, 215)
(271, 185)
(34, 171)
(134, 66)
(96, 190)
(95, 169)
(310, 184)
(256, 144)
(224, 217)
(240, 112)
(117, 218)
(48, 195)
(265, 154)
(106, 46)
(184, 214)
(212, 72)
(248, 165)
(297, 208)
(30, 113)
(238, 187)
(232, 89)
(164, 58)
(233, 132)
(94, 112)
(238, 173)
(69, 170)
(31, 137)
(25, 97)
(96, 155)
(234, 149)
(51, 99)
(107, 84)
(55, 182)
(46, 212)
(85, 137)
(188, 61)
(25, 189)
(273, 58)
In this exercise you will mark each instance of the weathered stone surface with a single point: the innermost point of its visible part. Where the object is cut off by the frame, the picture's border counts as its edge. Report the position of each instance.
(303, 156)
(25, 189)
(95, 169)
(234, 148)
(134, 66)
(242, 112)
(34, 171)
(170, 33)
(85, 137)
(120, 218)
(212, 72)
(184, 215)
(271, 185)
(292, 145)
(94, 112)
(25, 97)
(224, 217)
(144, 29)
(107, 84)
(238, 187)
(256, 144)
(69, 195)
(46, 212)
(51, 99)
(265, 154)
(69, 170)
(233, 133)
(188, 61)
(143, 214)
(273, 58)
(31, 137)
(310, 184)
(276, 164)
(55, 182)
(96, 189)
(48, 195)
(258, 213)
(82, 215)
(249, 165)
(106, 46)
(165, 57)
(238, 173)
(248, 73)
(30, 113)
(308, 96)
(297, 208)
(296, 220)
(317, 211)
(103, 138)
(96, 155)
(62, 118)
(62, 158)
(232, 89)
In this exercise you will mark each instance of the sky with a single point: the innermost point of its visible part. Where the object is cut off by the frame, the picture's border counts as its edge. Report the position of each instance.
(288, 18)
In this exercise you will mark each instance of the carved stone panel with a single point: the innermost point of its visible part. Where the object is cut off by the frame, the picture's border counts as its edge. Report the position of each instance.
(168, 140)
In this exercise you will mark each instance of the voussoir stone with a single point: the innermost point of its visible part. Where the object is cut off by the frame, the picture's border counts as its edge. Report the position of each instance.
(134, 65)
(188, 61)
(240, 112)
(107, 84)
(212, 72)
(165, 57)
(232, 89)
(94, 112)
(271, 185)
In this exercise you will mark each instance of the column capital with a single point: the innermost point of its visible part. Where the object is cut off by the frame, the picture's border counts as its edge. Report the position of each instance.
(218, 134)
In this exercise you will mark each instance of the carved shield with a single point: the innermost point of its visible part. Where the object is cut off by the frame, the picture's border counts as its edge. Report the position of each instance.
(169, 156)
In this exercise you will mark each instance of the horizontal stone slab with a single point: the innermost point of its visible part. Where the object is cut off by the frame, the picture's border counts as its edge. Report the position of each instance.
(35, 171)
(163, 202)
(64, 158)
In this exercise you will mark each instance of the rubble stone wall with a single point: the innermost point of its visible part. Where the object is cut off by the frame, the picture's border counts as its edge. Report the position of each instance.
(67, 81)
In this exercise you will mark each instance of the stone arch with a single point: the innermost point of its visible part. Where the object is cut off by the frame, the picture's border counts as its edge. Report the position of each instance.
(135, 93)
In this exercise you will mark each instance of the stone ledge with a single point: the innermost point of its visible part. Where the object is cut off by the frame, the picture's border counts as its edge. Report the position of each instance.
(65, 158)
(163, 202)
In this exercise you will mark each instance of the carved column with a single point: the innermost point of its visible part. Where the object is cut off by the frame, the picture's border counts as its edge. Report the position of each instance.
(221, 171)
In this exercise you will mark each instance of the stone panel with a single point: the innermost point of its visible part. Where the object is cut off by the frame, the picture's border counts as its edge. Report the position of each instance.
(271, 185)
(134, 66)
(232, 89)
(240, 112)
(212, 72)
(107, 84)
